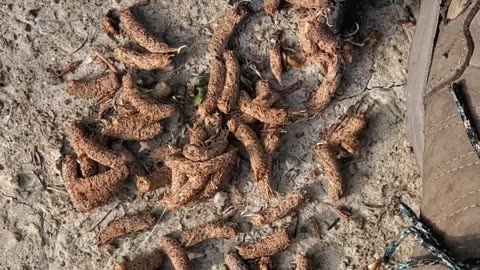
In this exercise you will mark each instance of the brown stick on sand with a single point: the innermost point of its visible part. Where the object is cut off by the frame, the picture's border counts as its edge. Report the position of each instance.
(123, 226)
(224, 30)
(229, 95)
(186, 166)
(266, 96)
(276, 117)
(258, 161)
(311, 4)
(175, 252)
(134, 127)
(283, 208)
(104, 86)
(216, 82)
(134, 29)
(216, 181)
(331, 168)
(215, 230)
(276, 63)
(322, 96)
(185, 193)
(346, 133)
(234, 262)
(149, 261)
(84, 145)
(265, 247)
(145, 106)
(142, 61)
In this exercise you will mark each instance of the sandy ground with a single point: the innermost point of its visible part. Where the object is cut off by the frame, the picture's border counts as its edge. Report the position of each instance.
(39, 228)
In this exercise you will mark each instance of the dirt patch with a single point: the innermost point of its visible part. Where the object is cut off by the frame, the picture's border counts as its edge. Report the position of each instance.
(40, 229)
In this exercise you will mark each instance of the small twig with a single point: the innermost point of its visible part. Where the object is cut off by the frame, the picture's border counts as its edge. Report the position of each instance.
(110, 66)
(81, 45)
(70, 68)
(151, 232)
(254, 68)
(56, 189)
(103, 218)
(333, 224)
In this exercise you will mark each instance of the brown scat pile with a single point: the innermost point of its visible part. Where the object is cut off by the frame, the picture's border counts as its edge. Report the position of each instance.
(134, 127)
(265, 263)
(123, 226)
(216, 82)
(213, 124)
(283, 208)
(186, 192)
(234, 262)
(143, 61)
(326, 50)
(178, 180)
(196, 171)
(321, 97)
(320, 5)
(211, 230)
(90, 192)
(271, 6)
(276, 63)
(197, 152)
(215, 170)
(189, 167)
(331, 167)
(104, 86)
(88, 167)
(175, 252)
(142, 124)
(216, 181)
(271, 140)
(276, 117)
(268, 246)
(163, 152)
(346, 133)
(265, 94)
(110, 24)
(293, 60)
(83, 145)
(134, 29)
(302, 263)
(144, 106)
(198, 133)
(225, 27)
(154, 180)
(258, 160)
(229, 94)
(150, 261)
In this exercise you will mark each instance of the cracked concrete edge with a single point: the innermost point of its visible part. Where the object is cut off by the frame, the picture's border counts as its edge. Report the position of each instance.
(418, 71)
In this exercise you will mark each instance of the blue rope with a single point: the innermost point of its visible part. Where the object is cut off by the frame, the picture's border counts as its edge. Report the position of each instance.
(423, 235)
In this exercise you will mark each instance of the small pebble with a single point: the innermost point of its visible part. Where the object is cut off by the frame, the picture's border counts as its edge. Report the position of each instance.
(220, 199)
